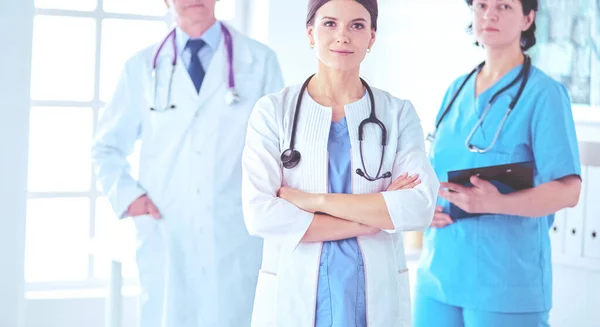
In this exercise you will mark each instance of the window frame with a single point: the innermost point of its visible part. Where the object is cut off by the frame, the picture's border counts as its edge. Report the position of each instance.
(96, 104)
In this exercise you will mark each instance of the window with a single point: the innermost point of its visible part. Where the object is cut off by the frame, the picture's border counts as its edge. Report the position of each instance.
(79, 49)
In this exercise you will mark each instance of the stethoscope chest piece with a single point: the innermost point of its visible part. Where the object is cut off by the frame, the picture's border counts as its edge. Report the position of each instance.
(290, 158)
(232, 97)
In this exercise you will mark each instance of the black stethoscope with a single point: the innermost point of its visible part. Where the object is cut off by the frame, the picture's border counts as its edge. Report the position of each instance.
(291, 157)
(523, 77)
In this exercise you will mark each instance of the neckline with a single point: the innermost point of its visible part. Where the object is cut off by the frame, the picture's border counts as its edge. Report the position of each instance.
(504, 80)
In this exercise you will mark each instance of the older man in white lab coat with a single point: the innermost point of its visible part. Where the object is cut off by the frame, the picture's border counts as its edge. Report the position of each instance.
(198, 265)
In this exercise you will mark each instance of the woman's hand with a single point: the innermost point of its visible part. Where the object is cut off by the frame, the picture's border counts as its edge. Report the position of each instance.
(440, 219)
(303, 200)
(404, 182)
(482, 197)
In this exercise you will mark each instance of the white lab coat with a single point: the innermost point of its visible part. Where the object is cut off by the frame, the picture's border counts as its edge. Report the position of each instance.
(199, 257)
(287, 284)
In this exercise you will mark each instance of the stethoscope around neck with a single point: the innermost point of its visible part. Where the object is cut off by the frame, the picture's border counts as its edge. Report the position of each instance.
(523, 77)
(231, 97)
(291, 157)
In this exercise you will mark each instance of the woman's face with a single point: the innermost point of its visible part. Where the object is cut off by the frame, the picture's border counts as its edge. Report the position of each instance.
(499, 23)
(341, 34)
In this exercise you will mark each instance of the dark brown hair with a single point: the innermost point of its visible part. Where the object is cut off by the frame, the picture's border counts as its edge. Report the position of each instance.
(315, 5)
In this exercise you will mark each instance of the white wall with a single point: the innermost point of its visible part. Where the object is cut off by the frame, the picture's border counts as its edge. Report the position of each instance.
(281, 25)
(576, 297)
(15, 61)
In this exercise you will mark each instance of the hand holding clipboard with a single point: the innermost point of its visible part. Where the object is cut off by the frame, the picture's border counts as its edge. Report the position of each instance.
(475, 191)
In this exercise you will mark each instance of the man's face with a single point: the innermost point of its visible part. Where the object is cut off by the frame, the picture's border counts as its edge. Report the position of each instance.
(192, 10)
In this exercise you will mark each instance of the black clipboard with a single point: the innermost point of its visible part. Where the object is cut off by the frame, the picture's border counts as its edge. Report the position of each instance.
(507, 178)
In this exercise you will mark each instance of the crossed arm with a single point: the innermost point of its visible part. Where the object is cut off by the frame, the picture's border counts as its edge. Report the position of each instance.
(341, 216)
(288, 217)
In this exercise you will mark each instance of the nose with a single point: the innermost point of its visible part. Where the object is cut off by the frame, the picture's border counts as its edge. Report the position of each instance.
(342, 37)
(490, 13)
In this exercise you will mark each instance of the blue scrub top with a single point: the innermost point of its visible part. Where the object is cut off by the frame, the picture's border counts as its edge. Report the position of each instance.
(341, 285)
(499, 263)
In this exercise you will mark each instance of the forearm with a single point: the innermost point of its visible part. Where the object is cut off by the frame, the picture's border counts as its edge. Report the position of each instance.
(542, 200)
(366, 209)
(328, 228)
(113, 174)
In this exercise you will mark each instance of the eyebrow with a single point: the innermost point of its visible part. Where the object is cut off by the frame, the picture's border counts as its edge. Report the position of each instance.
(354, 20)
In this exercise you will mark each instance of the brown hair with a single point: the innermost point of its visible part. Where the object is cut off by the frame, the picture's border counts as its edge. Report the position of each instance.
(315, 5)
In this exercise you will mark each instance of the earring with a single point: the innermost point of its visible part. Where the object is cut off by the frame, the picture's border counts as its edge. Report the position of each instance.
(312, 45)
(368, 50)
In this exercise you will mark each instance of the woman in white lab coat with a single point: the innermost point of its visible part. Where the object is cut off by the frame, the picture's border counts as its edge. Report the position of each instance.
(335, 259)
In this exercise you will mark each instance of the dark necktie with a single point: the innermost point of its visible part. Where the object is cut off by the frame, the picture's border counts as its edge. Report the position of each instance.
(195, 69)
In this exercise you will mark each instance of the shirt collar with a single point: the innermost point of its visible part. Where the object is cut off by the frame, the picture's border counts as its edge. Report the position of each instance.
(211, 37)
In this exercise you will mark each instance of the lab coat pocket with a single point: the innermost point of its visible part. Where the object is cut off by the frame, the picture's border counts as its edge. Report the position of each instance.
(159, 125)
(164, 129)
(265, 306)
(149, 246)
(144, 224)
(404, 307)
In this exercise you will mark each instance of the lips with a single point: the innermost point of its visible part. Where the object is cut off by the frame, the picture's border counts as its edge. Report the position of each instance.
(194, 6)
(491, 29)
(342, 52)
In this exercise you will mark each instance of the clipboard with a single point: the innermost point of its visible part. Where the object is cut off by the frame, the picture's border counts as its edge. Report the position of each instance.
(507, 178)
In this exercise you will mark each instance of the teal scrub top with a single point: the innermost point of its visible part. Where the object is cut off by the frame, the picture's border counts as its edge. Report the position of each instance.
(499, 263)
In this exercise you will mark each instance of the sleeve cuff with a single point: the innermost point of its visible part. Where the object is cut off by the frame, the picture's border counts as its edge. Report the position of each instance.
(415, 218)
(293, 239)
(124, 198)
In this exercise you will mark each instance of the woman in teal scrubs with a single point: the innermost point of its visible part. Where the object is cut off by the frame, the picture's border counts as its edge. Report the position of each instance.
(494, 268)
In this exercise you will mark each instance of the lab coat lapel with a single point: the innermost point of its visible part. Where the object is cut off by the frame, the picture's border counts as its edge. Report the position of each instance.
(183, 87)
(183, 91)
(242, 55)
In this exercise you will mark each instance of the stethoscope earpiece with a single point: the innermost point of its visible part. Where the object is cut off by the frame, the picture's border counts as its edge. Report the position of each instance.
(290, 158)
